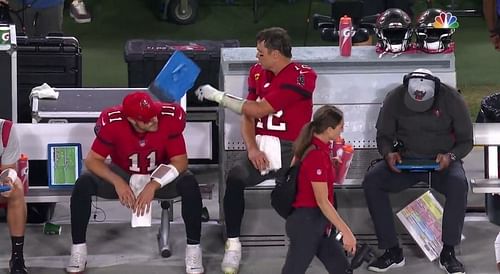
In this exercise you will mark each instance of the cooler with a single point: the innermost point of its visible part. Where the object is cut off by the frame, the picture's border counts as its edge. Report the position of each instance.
(145, 59)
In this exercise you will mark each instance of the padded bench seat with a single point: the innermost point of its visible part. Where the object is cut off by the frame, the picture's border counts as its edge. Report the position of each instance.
(57, 195)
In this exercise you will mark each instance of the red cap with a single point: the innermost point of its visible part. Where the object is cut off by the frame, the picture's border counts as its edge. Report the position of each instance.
(139, 106)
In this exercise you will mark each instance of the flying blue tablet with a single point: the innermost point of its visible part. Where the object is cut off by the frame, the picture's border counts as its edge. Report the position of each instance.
(175, 79)
(417, 165)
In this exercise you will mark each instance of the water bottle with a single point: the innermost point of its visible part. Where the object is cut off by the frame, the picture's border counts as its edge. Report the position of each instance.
(345, 35)
(346, 158)
(336, 148)
(23, 171)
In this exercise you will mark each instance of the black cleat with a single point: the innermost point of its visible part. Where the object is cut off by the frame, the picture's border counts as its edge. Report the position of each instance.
(449, 263)
(387, 261)
(17, 266)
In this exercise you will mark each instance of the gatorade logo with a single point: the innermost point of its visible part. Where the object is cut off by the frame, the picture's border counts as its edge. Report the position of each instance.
(346, 32)
(24, 173)
(5, 36)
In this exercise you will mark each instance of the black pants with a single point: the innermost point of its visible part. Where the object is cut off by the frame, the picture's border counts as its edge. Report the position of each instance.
(306, 229)
(451, 182)
(241, 175)
(89, 185)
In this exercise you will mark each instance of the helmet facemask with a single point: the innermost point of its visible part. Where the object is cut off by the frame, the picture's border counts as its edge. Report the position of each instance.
(431, 40)
(394, 40)
(394, 30)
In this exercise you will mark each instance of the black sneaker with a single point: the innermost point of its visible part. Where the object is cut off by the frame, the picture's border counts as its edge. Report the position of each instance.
(449, 263)
(387, 261)
(16, 266)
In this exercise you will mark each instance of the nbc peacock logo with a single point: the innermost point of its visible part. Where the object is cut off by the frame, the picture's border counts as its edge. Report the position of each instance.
(445, 20)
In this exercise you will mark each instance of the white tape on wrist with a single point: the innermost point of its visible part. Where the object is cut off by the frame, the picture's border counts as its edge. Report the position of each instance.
(9, 173)
(164, 174)
(233, 103)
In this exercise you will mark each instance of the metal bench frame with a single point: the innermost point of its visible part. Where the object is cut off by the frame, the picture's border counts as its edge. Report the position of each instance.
(488, 136)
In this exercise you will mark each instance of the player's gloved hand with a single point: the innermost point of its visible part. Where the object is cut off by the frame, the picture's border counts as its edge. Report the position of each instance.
(393, 158)
(207, 92)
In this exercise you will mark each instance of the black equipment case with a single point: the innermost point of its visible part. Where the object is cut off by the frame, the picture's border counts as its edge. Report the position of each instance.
(54, 60)
(145, 59)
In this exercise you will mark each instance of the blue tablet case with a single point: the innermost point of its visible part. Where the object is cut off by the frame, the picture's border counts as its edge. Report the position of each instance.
(175, 79)
(64, 164)
(417, 165)
(4, 188)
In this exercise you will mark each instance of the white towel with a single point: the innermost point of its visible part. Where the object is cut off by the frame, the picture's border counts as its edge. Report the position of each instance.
(44, 91)
(271, 146)
(137, 184)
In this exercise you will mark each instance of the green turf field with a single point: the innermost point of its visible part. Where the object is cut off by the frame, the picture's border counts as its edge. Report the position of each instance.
(65, 165)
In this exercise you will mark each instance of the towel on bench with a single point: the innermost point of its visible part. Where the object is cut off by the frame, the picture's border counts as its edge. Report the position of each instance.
(271, 146)
(137, 184)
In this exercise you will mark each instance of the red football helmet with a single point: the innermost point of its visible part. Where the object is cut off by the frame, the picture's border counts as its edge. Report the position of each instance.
(139, 106)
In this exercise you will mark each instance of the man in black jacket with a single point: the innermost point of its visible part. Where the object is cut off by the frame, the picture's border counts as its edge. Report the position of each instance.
(431, 121)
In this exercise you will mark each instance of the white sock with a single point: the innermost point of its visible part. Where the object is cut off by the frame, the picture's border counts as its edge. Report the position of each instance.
(233, 243)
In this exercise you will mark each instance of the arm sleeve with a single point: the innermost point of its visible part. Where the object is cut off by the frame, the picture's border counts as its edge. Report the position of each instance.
(12, 151)
(386, 125)
(462, 124)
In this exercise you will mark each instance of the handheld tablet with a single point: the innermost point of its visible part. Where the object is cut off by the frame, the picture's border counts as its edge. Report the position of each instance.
(4, 188)
(417, 165)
